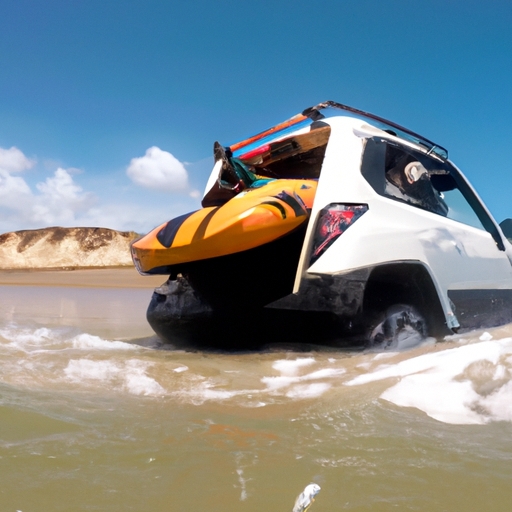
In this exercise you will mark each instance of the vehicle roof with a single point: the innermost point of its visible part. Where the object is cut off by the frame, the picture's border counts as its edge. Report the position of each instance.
(303, 120)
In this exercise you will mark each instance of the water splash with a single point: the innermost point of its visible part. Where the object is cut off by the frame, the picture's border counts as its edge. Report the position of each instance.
(468, 384)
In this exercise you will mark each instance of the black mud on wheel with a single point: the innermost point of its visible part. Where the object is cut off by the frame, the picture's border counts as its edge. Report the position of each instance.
(400, 327)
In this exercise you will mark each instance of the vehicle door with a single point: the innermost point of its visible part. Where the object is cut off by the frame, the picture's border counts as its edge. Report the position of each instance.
(459, 239)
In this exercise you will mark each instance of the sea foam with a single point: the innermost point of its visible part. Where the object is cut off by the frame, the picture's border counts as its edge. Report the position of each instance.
(32, 340)
(35, 357)
(469, 384)
(130, 375)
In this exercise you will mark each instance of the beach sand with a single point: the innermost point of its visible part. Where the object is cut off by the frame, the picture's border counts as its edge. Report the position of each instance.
(106, 302)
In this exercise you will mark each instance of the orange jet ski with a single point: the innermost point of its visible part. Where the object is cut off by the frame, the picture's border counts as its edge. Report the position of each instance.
(255, 216)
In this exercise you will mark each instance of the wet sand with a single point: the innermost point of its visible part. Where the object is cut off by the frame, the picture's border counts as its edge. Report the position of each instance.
(106, 302)
(117, 277)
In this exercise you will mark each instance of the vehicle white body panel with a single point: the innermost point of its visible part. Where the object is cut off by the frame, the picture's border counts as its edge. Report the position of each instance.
(457, 256)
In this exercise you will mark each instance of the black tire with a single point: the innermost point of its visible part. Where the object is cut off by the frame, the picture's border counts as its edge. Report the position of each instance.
(399, 327)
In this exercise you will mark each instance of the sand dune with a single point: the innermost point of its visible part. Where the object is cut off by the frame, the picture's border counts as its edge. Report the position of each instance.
(58, 248)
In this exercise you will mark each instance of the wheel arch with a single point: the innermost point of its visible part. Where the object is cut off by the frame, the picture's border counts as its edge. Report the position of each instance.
(405, 283)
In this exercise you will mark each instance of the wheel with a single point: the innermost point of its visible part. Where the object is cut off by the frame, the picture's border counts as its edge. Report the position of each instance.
(400, 327)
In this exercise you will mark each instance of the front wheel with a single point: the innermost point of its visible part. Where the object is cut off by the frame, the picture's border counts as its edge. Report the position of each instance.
(400, 327)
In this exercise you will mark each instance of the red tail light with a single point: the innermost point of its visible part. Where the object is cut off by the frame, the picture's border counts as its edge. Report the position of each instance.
(333, 221)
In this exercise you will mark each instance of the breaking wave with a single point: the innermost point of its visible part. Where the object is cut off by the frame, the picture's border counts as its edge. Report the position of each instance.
(45, 339)
(459, 381)
(43, 357)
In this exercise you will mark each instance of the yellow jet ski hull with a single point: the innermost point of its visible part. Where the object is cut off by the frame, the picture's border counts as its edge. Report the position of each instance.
(254, 217)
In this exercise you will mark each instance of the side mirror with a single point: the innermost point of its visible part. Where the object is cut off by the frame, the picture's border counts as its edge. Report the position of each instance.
(506, 227)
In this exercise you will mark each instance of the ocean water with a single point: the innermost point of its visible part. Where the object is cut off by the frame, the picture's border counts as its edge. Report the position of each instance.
(97, 415)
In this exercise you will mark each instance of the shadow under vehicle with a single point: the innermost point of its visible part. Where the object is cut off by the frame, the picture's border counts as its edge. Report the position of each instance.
(333, 227)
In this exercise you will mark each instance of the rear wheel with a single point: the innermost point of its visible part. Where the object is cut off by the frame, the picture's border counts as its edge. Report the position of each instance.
(399, 327)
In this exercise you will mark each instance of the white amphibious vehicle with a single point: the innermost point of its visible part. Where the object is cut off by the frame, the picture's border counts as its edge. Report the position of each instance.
(396, 246)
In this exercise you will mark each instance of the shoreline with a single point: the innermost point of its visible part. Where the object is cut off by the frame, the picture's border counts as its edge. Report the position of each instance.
(107, 302)
(90, 277)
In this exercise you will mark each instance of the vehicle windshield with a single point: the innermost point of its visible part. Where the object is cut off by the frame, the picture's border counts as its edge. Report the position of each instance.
(303, 121)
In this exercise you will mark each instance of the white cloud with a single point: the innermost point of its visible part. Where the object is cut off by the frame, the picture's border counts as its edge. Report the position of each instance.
(158, 170)
(13, 160)
(13, 189)
(60, 187)
(58, 200)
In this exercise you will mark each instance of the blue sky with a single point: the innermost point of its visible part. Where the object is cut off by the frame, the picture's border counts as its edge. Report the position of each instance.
(109, 109)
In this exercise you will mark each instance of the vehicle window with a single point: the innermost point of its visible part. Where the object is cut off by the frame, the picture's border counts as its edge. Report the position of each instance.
(459, 209)
(412, 177)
